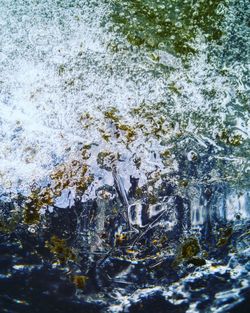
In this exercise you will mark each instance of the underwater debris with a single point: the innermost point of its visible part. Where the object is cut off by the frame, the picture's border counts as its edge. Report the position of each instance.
(192, 156)
(173, 88)
(106, 136)
(61, 69)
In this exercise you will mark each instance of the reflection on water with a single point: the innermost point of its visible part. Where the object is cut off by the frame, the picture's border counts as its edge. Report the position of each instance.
(124, 173)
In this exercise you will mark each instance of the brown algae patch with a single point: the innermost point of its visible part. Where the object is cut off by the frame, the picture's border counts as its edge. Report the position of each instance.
(38, 199)
(61, 251)
(73, 175)
(189, 252)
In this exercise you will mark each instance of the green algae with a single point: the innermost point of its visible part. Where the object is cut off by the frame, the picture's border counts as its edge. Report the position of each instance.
(172, 25)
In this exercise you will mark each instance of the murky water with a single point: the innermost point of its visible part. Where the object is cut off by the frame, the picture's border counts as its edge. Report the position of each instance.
(124, 156)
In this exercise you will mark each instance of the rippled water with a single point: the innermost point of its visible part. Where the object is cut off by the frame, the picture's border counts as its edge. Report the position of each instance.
(124, 156)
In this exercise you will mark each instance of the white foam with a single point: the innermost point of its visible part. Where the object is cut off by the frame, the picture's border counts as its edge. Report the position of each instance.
(55, 65)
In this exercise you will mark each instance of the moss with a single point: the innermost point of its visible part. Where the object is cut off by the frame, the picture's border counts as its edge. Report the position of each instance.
(130, 136)
(154, 57)
(85, 154)
(87, 146)
(153, 119)
(138, 192)
(31, 214)
(135, 40)
(130, 132)
(236, 140)
(113, 117)
(83, 184)
(123, 127)
(187, 251)
(160, 242)
(106, 137)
